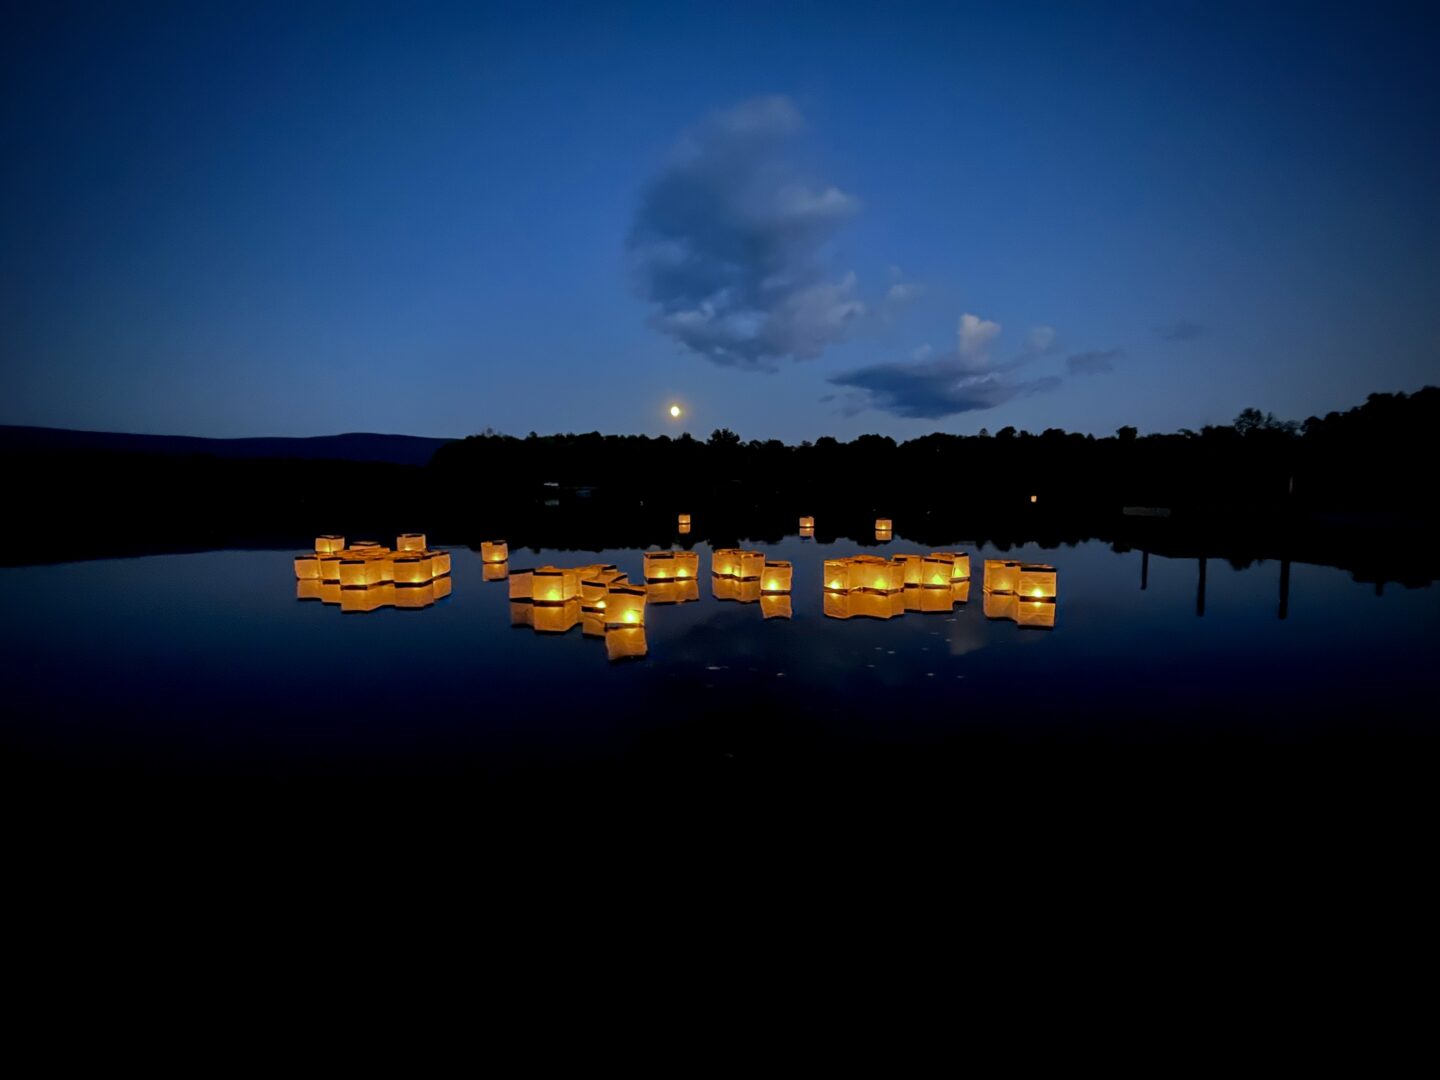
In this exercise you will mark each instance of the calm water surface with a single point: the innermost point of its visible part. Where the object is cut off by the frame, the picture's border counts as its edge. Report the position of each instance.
(209, 661)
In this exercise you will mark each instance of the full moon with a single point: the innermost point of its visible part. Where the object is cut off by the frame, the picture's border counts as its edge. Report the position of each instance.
(675, 412)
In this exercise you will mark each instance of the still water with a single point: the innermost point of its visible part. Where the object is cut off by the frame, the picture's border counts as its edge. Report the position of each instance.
(206, 662)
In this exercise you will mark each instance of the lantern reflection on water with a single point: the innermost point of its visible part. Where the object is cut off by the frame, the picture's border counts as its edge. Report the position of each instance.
(729, 588)
(776, 577)
(592, 623)
(684, 530)
(309, 589)
(867, 605)
(775, 605)
(999, 605)
(807, 532)
(1035, 614)
(555, 618)
(494, 551)
(960, 592)
(625, 643)
(922, 599)
(672, 592)
(495, 571)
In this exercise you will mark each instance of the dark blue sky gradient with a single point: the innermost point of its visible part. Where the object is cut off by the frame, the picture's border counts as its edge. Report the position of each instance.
(302, 220)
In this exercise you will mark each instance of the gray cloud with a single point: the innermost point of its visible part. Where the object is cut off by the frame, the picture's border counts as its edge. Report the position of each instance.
(936, 388)
(1184, 330)
(1096, 362)
(727, 243)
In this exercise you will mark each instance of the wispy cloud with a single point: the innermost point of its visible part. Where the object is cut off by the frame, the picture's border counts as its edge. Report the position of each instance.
(1183, 330)
(729, 239)
(1096, 362)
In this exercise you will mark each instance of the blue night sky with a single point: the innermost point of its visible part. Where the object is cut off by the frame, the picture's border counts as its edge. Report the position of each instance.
(795, 220)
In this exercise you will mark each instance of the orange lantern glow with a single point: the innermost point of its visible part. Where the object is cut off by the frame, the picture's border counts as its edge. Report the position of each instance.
(910, 568)
(1037, 581)
(592, 623)
(521, 584)
(330, 592)
(439, 563)
(442, 587)
(775, 605)
(670, 565)
(355, 573)
(936, 571)
(365, 545)
(684, 530)
(329, 545)
(494, 551)
(776, 577)
(837, 575)
(960, 592)
(1034, 498)
(924, 599)
(595, 587)
(307, 567)
(410, 542)
(807, 532)
(522, 613)
(960, 564)
(410, 570)
(807, 523)
(495, 571)
(884, 525)
(752, 565)
(1001, 575)
(554, 585)
(359, 601)
(683, 519)
(725, 562)
(876, 605)
(625, 643)
(625, 605)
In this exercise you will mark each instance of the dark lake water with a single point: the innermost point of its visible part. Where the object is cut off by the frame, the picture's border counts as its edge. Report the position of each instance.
(208, 663)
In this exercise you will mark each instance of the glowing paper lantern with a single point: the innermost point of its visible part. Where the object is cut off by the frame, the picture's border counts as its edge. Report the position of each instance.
(1001, 576)
(625, 605)
(521, 584)
(355, 573)
(1035, 614)
(725, 562)
(329, 545)
(595, 587)
(936, 571)
(625, 643)
(775, 605)
(554, 585)
(683, 519)
(495, 571)
(442, 587)
(807, 523)
(1037, 581)
(410, 570)
(960, 564)
(837, 575)
(494, 551)
(410, 542)
(776, 577)
(877, 575)
(361, 546)
(884, 525)
(439, 563)
(659, 565)
(884, 535)
(910, 569)
(330, 568)
(307, 567)
(752, 564)
(556, 618)
(1034, 498)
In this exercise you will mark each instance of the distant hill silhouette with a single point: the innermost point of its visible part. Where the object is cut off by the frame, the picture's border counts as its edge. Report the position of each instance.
(351, 446)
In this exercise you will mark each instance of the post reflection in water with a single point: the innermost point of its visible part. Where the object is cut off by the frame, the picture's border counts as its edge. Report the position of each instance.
(366, 576)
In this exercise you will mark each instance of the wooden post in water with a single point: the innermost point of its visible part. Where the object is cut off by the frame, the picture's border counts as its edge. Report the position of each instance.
(1144, 570)
(1200, 591)
(1284, 588)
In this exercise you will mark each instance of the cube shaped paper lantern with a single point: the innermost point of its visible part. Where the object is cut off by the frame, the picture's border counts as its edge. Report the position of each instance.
(1037, 581)
(494, 551)
(1001, 576)
(410, 542)
(625, 605)
(775, 577)
(329, 545)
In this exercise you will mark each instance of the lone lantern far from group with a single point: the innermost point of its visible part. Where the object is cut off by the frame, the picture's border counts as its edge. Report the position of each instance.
(683, 520)
(884, 525)
(494, 551)
(807, 523)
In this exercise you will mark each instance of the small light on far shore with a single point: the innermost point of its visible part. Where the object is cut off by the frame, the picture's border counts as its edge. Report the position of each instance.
(1034, 498)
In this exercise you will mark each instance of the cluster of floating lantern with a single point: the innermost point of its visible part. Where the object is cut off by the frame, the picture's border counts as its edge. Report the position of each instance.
(748, 577)
(597, 598)
(1024, 593)
(872, 587)
(367, 576)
